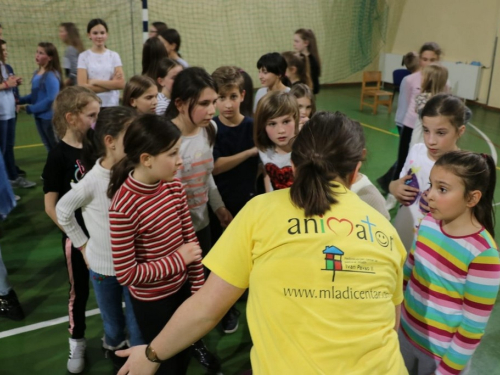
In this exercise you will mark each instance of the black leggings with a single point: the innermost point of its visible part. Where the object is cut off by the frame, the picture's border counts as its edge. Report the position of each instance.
(404, 146)
(152, 316)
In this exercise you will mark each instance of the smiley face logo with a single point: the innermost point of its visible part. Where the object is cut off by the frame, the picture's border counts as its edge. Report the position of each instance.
(382, 239)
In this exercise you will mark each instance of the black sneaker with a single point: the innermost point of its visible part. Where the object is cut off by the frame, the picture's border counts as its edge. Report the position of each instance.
(109, 353)
(230, 320)
(10, 307)
(205, 358)
(20, 172)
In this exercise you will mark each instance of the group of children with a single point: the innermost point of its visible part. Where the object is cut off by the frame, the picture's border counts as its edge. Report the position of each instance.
(142, 191)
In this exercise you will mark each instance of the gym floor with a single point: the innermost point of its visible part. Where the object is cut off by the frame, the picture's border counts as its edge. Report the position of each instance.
(31, 249)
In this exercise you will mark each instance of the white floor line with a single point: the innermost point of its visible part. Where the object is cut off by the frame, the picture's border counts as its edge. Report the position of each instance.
(47, 323)
(488, 141)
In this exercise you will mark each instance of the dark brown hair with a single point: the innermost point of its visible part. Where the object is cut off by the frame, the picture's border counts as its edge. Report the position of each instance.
(153, 51)
(165, 65)
(172, 36)
(328, 147)
(410, 60)
(478, 172)
(111, 121)
(187, 88)
(53, 65)
(301, 64)
(446, 105)
(73, 38)
(135, 87)
(147, 134)
(431, 46)
(307, 35)
(273, 104)
(159, 26)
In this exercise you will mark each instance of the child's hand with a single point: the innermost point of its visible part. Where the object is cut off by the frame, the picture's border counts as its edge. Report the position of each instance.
(19, 80)
(224, 216)
(190, 252)
(12, 81)
(424, 204)
(404, 194)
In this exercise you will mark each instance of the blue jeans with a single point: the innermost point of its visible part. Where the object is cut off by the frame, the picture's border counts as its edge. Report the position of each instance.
(109, 294)
(4, 281)
(46, 131)
(7, 140)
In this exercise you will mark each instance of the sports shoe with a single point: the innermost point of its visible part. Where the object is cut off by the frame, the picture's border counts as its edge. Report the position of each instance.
(76, 360)
(17, 197)
(109, 353)
(10, 307)
(230, 320)
(205, 358)
(21, 182)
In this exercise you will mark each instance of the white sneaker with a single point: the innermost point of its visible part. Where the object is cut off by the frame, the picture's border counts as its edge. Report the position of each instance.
(21, 182)
(76, 361)
(17, 197)
(390, 202)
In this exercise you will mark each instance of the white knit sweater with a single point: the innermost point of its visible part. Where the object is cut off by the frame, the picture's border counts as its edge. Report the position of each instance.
(90, 195)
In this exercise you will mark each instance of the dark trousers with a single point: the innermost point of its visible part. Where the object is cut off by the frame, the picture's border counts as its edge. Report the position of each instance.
(152, 316)
(404, 146)
(78, 275)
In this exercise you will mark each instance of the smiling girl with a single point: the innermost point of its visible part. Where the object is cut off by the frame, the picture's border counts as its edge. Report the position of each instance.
(272, 75)
(276, 124)
(100, 69)
(45, 85)
(443, 119)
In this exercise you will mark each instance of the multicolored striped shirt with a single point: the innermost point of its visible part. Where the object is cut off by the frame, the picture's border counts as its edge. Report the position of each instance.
(148, 224)
(451, 284)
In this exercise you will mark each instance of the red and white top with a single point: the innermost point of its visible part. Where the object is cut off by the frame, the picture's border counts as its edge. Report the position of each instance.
(148, 224)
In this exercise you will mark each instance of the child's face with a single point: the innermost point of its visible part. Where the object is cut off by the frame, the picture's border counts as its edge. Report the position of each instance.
(281, 130)
(41, 57)
(204, 109)
(168, 81)
(87, 117)
(146, 103)
(267, 79)
(305, 107)
(299, 44)
(164, 166)
(440, 136)
(446, 196)
(427, 58)
(98, 35)
(228, 103)
(63, 34)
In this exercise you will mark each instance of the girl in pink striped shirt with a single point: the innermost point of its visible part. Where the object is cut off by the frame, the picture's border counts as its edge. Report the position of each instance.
(154, 246)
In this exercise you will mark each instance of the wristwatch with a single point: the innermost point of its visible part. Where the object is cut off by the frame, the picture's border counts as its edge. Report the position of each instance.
(151, 355)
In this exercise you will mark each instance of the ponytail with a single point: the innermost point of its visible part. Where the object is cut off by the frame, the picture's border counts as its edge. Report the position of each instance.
(328, 148)
(485, 210)
(91, 150)
(119, 174)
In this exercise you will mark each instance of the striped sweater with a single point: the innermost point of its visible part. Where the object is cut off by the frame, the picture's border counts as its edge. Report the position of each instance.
(148, 223)
(451, 284)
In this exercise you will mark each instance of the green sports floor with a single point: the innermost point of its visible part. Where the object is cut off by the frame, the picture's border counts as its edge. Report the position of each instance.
(32, 253)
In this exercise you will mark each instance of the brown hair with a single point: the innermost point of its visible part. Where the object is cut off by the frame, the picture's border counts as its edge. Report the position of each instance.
(431, 46)
(53, 65)
(448, 106)
(148, 133)
(328, 147)
(135, 87)
(73, 38)
(307, 35)
(411, 61)
(434, 78)
(301, 64)
(227, 78)
(301, 90)
(72, 99)
(273, 104)
(153, 51)
(2, 57)
(159, 26)
(478, 172)
(165, 65)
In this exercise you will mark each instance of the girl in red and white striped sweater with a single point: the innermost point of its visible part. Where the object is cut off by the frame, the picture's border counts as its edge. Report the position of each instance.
(155, 250)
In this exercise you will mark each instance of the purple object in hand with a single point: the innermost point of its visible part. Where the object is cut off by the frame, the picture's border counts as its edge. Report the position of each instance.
(413, 182)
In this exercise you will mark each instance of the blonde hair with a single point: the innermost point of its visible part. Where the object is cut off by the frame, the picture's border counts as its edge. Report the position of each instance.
(135, 87)
(72, 99)
(273, 104)
(434, 78)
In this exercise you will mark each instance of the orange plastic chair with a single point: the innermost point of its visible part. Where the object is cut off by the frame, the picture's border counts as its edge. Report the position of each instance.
(370, 88)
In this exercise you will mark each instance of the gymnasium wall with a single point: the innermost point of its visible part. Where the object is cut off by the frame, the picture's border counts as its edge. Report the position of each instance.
(464, 29)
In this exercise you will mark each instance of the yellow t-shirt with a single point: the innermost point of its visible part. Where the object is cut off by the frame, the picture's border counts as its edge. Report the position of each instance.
(322, 290)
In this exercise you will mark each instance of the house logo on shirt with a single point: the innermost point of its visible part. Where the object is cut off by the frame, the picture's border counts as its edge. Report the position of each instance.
(334, 263)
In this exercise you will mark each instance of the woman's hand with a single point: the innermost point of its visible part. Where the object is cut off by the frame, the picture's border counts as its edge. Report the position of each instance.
(404, 194)
(137, 363)
(224, 216)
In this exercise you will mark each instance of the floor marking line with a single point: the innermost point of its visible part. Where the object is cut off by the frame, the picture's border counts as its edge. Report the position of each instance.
(28, 146)
(488, 141)
(379, 129)
(47, 323)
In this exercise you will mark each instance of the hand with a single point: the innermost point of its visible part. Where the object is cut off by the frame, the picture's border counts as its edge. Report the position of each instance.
(190, 252)
(254, 151)
(117, 76)
(12, 81)
(19, 81)
(137, 363)
(404, 194)
(21, 107)
(224, 216)
(18, 108)
(424, 204)
(91, 82)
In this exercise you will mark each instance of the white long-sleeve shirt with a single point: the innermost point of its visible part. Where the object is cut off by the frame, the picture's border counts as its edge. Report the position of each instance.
(90, 195)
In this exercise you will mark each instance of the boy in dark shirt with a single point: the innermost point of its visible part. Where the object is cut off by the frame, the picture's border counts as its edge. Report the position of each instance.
(235, 156)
